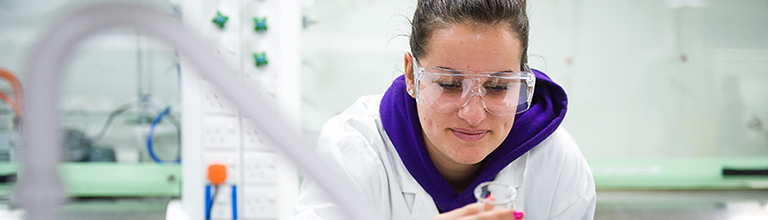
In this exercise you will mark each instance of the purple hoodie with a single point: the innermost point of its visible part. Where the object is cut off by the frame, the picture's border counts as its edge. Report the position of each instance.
(401, 123)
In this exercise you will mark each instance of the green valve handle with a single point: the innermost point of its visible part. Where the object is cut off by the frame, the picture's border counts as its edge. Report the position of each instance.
(261, 59)
(220, 20)
(261, 24)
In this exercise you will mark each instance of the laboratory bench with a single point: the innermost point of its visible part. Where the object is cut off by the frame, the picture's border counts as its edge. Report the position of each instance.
(682, 204)
(686, 188)
(90, 179)
(108, 191)
(83, 179)
(642, 188)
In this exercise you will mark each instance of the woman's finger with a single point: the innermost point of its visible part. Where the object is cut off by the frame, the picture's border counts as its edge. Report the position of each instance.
(506, 214)
(467, 210)
(473, 212)
(518, 214)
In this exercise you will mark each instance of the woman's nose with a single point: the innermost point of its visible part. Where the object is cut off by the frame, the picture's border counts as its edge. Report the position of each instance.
(474, 111)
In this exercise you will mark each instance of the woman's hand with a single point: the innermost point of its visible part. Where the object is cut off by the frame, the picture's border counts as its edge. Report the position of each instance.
(472, 212)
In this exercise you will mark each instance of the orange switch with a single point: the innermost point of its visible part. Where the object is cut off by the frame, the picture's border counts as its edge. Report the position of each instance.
(217, 173)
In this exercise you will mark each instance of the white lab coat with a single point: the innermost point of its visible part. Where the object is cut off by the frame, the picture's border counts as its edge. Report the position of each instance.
(553, 179)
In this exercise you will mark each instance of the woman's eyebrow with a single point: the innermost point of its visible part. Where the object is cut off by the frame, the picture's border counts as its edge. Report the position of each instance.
(498, 73)
(495, 73)
(450, 70)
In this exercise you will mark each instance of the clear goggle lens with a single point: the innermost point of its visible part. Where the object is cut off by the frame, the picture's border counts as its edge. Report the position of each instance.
(500, 93)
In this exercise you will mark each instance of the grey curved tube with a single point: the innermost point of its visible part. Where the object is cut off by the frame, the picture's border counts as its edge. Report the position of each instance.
(40, 186)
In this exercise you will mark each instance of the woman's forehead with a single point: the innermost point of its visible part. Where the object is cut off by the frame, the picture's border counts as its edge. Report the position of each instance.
(474, 48)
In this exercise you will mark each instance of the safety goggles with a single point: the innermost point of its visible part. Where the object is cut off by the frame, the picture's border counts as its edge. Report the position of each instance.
(447, 90)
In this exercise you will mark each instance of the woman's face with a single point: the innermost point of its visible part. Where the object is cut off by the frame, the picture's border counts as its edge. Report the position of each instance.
(467, 136)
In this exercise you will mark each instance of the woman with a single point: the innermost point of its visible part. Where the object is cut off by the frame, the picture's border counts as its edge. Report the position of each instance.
(467, 111)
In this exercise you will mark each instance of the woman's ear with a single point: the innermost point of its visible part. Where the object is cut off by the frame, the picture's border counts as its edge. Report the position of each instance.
(408, 61)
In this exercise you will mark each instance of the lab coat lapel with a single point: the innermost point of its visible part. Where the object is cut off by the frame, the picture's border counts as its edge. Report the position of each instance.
(411, 196)
(422, 206)
(515, 174)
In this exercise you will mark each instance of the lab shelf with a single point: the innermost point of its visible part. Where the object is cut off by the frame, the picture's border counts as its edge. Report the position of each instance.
(113, 179)
(693, 173)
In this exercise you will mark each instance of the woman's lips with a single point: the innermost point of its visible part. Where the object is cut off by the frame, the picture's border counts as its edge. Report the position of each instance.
(469, 135)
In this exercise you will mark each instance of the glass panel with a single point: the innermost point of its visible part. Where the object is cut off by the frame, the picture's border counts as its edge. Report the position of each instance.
(659, 78)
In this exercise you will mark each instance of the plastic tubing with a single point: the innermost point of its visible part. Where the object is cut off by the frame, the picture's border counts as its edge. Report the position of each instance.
(17, 92)
(41, 187)
(234, 202)
(208, 201)
(10, 102)
(151, 134)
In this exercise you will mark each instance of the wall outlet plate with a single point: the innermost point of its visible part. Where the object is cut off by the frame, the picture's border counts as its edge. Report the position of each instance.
(260, 202)
(215, 102)
(252, 138)
(221, 132)
(259, 167)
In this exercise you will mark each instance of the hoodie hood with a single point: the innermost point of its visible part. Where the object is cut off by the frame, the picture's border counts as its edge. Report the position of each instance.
(401, 123)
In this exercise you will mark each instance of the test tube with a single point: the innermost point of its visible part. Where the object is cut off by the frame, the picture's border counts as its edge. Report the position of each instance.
(499, 195)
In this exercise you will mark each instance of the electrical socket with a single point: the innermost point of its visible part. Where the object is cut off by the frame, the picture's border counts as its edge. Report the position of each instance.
(229, 54)
(229, 159)
(259, 167)
(263, 97)
(252, 139)
(215, 102)
(222, 204)
(221, 132)
(260, 203)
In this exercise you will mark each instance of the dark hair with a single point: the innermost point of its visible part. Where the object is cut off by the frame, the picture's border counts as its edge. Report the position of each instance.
(432, 15)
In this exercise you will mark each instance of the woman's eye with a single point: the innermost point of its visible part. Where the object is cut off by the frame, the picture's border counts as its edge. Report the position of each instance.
(450, 85)
(496, 88)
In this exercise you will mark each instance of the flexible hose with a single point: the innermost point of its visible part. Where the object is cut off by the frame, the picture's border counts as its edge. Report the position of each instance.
(16, 105)
(151, 135)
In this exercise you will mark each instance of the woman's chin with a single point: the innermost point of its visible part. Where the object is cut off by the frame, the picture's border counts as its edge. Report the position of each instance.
(469, 159)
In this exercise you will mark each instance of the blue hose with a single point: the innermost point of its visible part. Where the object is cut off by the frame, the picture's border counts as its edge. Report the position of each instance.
(208, 202)
(152, 132)
(234, 202)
